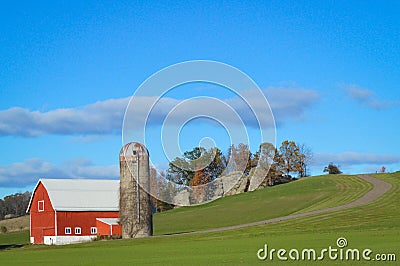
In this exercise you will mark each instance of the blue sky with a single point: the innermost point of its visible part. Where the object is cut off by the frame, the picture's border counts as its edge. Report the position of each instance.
(329, 69)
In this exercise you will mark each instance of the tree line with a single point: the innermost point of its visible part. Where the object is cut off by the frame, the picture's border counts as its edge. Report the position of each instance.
(286, 162)
(14, 205)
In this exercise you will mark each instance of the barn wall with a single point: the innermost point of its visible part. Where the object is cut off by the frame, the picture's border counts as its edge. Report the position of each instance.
(84, 220)
(42, 223)
(117, 229)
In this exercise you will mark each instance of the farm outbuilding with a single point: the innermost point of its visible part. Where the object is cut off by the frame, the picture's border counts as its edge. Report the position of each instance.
(108, 227)
(64, 211)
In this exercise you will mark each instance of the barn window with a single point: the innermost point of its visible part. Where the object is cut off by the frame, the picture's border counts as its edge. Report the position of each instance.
(41, 205)
(77, 230)
(93, 230)
(67, 230)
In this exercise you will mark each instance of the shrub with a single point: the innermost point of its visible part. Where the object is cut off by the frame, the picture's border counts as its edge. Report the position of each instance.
(3, 229)
(332, 169)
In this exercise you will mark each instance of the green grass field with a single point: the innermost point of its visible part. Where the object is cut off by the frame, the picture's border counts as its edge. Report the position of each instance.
(375, 226)
(14, 239)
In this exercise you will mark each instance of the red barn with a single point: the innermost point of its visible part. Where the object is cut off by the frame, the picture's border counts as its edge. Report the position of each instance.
(64, 211)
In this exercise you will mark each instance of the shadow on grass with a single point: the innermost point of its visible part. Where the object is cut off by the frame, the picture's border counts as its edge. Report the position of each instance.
(10, 246)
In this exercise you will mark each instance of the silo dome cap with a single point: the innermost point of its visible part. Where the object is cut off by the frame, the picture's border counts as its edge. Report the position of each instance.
(133, 149)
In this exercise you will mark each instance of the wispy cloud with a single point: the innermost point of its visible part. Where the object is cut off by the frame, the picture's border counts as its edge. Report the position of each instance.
(290, 103)
(26, 173)
(106, 117)
(367, 97)
(355, 158)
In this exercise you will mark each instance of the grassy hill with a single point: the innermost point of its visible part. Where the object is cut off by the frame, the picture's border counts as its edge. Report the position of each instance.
(303, 195)
(16, 224)
(375, 226)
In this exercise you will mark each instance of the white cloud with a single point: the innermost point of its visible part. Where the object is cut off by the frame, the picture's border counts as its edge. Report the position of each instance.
(106, 117)
(26, 173)
(355, 158)
(98, 118)
(290, 103)
(367, 98)
(286, 104)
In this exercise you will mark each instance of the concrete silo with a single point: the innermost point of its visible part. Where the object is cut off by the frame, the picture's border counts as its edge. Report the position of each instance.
(136, 215)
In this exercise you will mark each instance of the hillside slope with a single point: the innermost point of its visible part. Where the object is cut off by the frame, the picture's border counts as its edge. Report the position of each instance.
(16, 224)
(306, 194)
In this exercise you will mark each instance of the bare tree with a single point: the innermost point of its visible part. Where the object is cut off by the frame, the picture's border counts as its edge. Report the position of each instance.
(305, 159)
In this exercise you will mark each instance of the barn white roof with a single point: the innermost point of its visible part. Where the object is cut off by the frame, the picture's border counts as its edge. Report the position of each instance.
(109, 221)
(81, 194)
